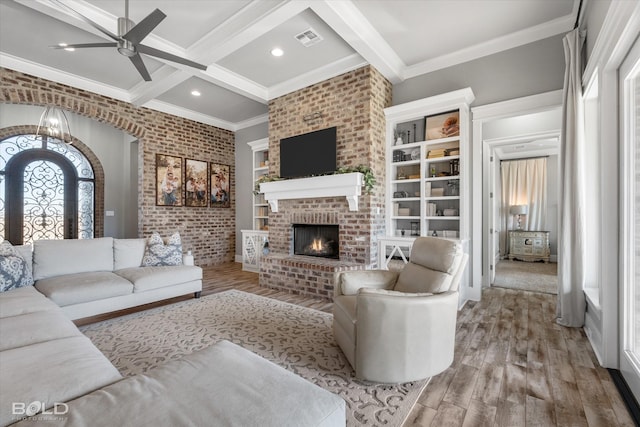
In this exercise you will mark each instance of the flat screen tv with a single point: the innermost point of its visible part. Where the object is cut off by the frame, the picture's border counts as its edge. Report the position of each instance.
(309, 154)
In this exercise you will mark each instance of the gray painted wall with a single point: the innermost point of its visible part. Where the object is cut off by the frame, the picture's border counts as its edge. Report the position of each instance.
(244, 178)
(526, 70)
(595, 12)
(117, 155)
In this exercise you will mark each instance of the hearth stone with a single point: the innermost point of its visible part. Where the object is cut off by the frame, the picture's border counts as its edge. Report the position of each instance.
(303, 275)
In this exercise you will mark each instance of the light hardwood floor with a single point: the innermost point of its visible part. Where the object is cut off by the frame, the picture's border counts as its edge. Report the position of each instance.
(514, 366)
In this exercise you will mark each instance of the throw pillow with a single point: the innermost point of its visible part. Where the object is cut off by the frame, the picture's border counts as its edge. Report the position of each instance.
(14, 272)
(158, 254)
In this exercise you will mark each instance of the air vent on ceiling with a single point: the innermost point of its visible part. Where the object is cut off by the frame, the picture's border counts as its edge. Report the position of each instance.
(309, 37)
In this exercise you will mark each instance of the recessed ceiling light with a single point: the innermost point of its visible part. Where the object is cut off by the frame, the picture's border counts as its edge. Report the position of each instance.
(276, 51)
(195, 93)
(68, 49)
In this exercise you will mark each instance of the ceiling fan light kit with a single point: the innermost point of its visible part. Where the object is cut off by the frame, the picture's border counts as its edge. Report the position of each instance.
(129, 38)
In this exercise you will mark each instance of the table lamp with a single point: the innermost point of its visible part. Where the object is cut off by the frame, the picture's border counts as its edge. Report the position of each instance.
(519, 210)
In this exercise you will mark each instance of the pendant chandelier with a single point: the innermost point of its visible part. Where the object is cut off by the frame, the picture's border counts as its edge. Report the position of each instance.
(54, 124)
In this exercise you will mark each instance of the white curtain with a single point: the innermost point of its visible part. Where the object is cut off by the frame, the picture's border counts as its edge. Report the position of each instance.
(571, 302)
(524, 182)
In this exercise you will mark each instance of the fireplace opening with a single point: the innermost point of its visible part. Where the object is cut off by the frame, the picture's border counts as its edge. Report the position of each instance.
(316, 240)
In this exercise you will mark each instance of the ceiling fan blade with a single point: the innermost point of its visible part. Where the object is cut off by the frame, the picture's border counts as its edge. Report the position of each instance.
(83, 45)
(165, 55)
(87, 20)
(137, 62)
(144, 27)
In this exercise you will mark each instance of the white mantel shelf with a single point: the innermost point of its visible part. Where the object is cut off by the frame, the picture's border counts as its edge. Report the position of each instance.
(347, 185)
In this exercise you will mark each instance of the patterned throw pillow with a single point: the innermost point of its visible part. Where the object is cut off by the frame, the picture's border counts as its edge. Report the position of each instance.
(14, 272)
(157, 253)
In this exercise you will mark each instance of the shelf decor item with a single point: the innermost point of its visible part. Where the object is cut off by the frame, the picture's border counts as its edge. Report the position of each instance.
(415, 228)
(442, 125)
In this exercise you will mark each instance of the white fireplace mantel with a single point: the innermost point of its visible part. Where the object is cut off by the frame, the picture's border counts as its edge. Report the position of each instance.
(348, 185)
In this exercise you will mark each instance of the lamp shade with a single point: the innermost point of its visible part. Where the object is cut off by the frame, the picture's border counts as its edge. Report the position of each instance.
(519, 210)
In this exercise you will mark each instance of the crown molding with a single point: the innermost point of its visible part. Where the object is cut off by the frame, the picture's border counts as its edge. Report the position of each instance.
(263, 118)
(499, 44)
(519, 106)
(167, 108)
(73, 80)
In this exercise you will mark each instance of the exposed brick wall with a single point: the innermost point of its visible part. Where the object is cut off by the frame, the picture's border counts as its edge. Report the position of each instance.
(209, 232)
(353, 102)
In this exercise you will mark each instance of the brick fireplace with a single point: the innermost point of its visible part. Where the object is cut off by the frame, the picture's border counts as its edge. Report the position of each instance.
(353, 102)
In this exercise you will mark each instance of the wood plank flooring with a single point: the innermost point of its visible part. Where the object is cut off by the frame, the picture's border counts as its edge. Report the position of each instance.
(514, 366)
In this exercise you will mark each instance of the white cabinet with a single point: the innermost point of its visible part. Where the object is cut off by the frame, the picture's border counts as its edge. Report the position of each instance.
(253, 245)
(428, 160)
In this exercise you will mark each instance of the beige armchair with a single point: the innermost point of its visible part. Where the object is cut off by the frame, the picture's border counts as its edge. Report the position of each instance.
(396, 327)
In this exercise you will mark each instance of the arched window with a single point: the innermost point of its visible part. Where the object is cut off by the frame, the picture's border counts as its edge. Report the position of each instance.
(47, 190)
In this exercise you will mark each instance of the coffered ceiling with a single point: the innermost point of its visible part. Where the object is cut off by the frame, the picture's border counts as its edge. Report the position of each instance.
(234, 39)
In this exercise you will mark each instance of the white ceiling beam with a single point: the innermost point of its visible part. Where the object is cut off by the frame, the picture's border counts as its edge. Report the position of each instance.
(164, 79)
(350, 24)
(240, 31)
(235, 82)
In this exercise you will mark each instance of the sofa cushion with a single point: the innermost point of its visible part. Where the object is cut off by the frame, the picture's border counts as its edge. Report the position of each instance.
(41, 326)
(417, 279)
(148, 278)
(159, 254)
(14, 272)
(22, 301)
(70, 256)
(83, 287)
(50, 372)
(222, 385)
(128, 253)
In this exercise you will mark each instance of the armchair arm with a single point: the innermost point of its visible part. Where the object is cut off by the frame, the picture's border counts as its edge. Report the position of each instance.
(349, 282)
(402, 337)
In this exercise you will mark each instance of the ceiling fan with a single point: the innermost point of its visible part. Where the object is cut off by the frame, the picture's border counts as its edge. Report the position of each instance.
(129, 38)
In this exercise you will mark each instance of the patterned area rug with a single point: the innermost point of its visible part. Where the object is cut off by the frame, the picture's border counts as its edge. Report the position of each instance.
(527, 276)
(297, 338)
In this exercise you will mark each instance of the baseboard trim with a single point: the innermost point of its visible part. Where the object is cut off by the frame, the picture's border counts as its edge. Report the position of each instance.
(629, 400)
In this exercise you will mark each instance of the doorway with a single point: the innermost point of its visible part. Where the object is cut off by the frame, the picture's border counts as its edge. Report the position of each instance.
(522, 240)
(510, 129)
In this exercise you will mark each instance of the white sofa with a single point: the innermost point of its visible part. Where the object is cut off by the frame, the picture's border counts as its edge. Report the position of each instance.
(46, 364)
(87, 277)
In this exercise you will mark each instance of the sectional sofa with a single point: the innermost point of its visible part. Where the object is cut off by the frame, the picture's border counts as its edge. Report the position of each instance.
(51, 374)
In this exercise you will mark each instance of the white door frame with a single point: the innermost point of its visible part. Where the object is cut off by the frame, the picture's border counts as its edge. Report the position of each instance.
(629, 308)
(490, 168)
(480, 171)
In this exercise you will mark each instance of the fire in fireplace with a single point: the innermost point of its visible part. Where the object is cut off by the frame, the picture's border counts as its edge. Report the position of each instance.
(316, 240)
